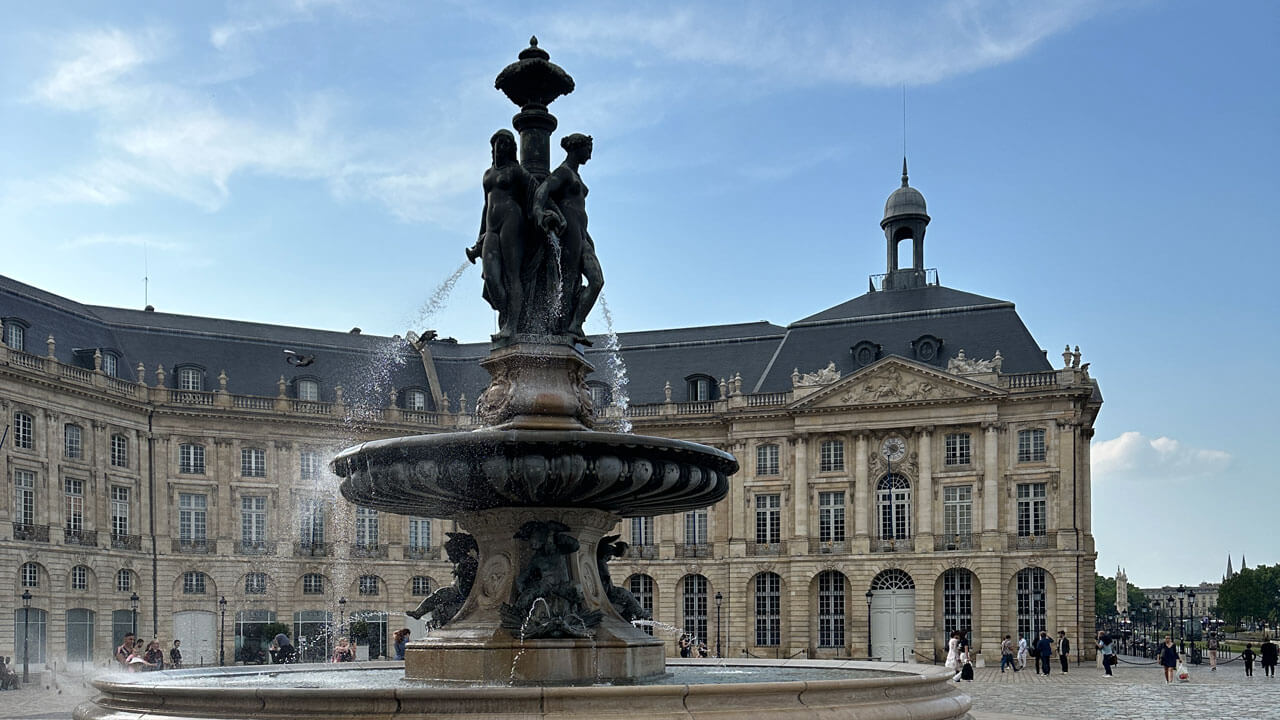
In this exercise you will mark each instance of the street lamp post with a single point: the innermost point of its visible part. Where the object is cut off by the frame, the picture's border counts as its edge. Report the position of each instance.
(1169, 606)
(870, 595)
(26, 635)
(1182, 628)
(222, 639)
(1191, 613)
(719, 599)
(133, 611)
(1037, 611)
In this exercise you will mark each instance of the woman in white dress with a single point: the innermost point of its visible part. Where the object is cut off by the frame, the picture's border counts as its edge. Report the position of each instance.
(953, 652)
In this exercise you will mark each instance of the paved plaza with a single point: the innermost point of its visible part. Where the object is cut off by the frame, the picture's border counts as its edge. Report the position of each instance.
(1136, 692)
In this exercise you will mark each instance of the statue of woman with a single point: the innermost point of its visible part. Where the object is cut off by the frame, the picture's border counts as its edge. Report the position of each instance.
(502, 238)
(560, 209)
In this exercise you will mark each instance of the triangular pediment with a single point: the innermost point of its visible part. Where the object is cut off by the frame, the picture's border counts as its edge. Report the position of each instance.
(894, 380)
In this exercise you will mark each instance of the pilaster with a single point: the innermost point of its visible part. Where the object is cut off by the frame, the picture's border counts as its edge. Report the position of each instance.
(924, 500)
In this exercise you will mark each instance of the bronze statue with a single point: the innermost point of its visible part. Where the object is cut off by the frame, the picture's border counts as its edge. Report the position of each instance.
(503, 235)
(445, 603)
(621, 598)
(549, 602)
(560, 209)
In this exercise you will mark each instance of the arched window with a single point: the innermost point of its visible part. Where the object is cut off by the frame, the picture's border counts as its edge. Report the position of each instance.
(30, 575)
(415, 399)
(313, 584)
(307, 389)
(420, 586)
(641, 587)
(110, 364)
(768, 610)
(893, 579)
(193, 583)
(701, 388)
(893, 503)
(15, 334)
(80, 578)
(1029, 584)
(694, 593)
(190, 378)
(255, 583)
(831, 618)
(124, 581)
(957, 601)
(368, 585)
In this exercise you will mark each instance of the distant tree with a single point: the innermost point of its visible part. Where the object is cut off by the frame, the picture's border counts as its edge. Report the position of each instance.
(1104, 597)
(1252, 593)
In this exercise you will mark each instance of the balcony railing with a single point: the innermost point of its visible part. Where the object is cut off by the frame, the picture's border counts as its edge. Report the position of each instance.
(420, 417)
(312, 549)
(191, 397)
(375, 552)
(1029, 380)
(312, 408)
(1031, 542)
(255, 548)
(419, 553)
(31, 533)
(768, 399)
(892, 545)
(251, 402)
(764, 548)
(642, 552)
(695, 408)
(27, 360)
(80, 375)
(87, 538)
(698, 550)
(126, 542)
(962, 541)
(827, 547)
(121, 387)
(188, 546)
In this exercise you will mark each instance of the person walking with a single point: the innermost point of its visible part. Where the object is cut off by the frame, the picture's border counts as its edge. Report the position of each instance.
(343, 652)
(284, 649)
(1022, 653)
(154, 656)
(1006, 654)
(1064, 649)
(1212, 644)
(399, 641)
(953, 652)
(1169, 659)
(1269, 656)
(1248, 656)
(1044, 653)
(175, 656)
(1108, 653)
(125, 650)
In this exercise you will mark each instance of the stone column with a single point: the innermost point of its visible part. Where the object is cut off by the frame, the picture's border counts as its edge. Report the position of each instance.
(861, 508)
(990, 483)
(1084, 480)
(800, 494)
(924, 500)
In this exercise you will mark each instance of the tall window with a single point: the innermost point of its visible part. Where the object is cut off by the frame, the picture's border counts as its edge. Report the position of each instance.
(311, 522)
(24, 497)
(1031, 599)
(419, 533)
(255, 583)
(642, 531)
(831, 516)
(191, 459)
(72, 441)
(80, 578)
(193, 582)
(253, 462)
(893, 500)
(308, 390)
(23, 431)
(312, 584)
(15, 336)
(767, 459)
(30, 575)
(694, 593)
(1031, 445)
(957, 449)
(600, 395)
(368, 585)
(768, 609)
(191, 516)
(831, 456)
(109, 365)
(695, 527)
(190, 379)
(124, 581)
(119, 451)
(253, 520)
(957, 510)
(641, 587)
(700, 389)
(119, 510)
(1031, 509)
(768, 518)
(309, 464)
(421, 586)
(831, 609)
(957, 601)
(415, 400)
(366, 527)
(73, 493)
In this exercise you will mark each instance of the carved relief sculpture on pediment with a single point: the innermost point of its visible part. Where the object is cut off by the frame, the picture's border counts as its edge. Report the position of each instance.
(891, 386)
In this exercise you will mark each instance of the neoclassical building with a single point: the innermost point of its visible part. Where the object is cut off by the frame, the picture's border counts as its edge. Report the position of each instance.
(912, 463)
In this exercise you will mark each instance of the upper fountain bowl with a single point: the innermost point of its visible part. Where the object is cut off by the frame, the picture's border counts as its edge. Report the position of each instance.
(447, 474)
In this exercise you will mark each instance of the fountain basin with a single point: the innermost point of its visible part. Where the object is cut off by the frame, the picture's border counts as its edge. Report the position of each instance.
(844, 690)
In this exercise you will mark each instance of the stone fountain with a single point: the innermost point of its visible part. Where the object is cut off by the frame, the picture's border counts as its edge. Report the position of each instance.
(532, 609)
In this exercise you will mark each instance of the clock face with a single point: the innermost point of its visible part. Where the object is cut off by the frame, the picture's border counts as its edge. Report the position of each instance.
(894, 448)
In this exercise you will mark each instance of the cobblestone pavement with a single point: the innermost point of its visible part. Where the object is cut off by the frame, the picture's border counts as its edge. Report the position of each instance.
(1136, 692)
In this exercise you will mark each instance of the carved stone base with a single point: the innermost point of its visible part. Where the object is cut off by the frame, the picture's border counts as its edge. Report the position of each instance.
(475, 647)
(536, 385)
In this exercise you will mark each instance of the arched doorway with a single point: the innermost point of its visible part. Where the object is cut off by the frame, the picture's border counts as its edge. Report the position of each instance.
(893, 616)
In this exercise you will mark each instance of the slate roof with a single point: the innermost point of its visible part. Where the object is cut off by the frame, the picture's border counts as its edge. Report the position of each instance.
(367, 365)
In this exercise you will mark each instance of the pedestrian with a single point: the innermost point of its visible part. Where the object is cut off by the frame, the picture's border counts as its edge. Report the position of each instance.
(1022, 653)
(1168, 659)
(685, 649)
(702, 650)
(1108, 653)
(1269, 655)
(125, 650)
(1044, 653)
(154, 656)
(343, 652)
(1064, 649)
(399, 641)
(175, 656)
(1006, 654)
(284, 649)
(1248, 656)
(1212, 643)
(953, 652)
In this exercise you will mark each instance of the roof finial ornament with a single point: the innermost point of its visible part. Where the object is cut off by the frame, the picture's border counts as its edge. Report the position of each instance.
(533, 40)
(904, 171)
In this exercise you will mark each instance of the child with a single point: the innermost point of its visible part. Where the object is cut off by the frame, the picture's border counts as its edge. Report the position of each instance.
(1248, 655)
(966, 667)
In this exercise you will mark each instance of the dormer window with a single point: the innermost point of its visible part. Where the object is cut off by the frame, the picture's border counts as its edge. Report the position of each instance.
(15, 334)
(190, 378)
(415, 399)
(601, 396)
(307, 389)
(927, 348)
(865, 353)
(110, 364)
(702, 388)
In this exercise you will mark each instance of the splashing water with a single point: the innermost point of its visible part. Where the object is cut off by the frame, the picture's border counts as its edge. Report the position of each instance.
(617, 369)
(436, 302)
(555, 297)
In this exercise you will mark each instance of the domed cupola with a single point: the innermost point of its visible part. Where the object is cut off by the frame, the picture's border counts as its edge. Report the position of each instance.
(905, 216)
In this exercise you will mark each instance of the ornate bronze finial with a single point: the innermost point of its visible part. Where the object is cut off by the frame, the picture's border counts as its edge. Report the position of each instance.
(533, 41)
(904, 171)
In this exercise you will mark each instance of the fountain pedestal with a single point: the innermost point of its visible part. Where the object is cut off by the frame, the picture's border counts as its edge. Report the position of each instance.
(479, 644)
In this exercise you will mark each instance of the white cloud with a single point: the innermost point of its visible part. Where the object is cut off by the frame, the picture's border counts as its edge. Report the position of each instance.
(263, 16)
(97, 62)
(1134, 457)
(134, 240)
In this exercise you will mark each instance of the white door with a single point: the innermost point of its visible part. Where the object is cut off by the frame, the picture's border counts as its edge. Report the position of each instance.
(893, 625)
(198, 631)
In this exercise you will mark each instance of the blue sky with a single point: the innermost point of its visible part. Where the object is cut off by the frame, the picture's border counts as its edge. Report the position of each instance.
(1108, 166)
